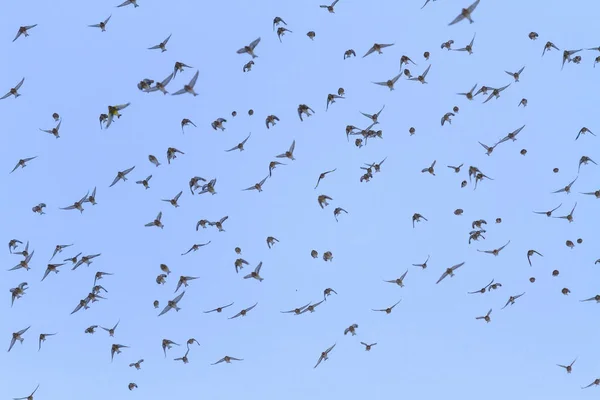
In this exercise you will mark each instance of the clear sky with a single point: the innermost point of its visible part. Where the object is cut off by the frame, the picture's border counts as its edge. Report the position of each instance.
(431, 345)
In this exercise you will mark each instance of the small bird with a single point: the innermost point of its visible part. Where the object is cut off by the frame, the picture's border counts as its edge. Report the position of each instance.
(368, 346)
(228, 360)
(531, 253)
(86, 260)
(322, 200)
(296, 311)
(327, 292)
(450, 271)
(583, 131)
(446, 117)
(219, 224)
(566, 189)
(377, 48)
(337, 212)
(256, 273)
(323, 175)
(289, 153)
(548, 47)
(280, 32)
(421, 78)
(153, 160)
(417, 218)
(456, 169)
(42, 338)
(399, 281)
(331, 99)
(569, 367)
(23, 31)
(486, 317)
(111, 331)
(330, 7)
(569, 217)
(101, 25)
(218, 309)
(172, 304)
(53, 131)
(388, 310)
(116, 349)
(162, 45)
(584, 160)
(113, 111)
(77, 205)
(273, 165)
(465, 13)
(483, 289)
(271, 241)
(240, 146)
(324, 355)
(179, 67)
(248, 66)
(430, 168)
(303, 109)
(468, 48)
(277, 21)
(469, 95)
(567, 56)
(351, 329)
(121, 175)
(92, 197)
(183, 280)
(495, 93)
(349, 53)
(495, 252)
(258, 186)
(249, 49)
(174, 200)
(144, 182)
(511, 300)
(244, 311)
(17, 336)
(195, 247)
(161, 86)
(184, 358)
(128, 2)
(137, 364)
(390, 82)
(218, 124)
(189, 88)
(14, 91)
(516, 75)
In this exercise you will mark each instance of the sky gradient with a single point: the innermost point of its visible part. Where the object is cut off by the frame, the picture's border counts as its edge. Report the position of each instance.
(430, 345)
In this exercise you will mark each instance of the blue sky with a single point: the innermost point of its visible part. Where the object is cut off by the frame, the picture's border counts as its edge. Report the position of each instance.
(431, 344)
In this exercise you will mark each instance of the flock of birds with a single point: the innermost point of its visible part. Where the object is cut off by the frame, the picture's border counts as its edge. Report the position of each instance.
(25, 252)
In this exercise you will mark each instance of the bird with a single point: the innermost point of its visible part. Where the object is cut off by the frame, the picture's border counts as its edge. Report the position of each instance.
(101, 25)
(14, 91)
(330, 7)
(324, 355)
(249, 49)
(172, 304)
(189, 88)
(465, 13)
(450, 271)
(23, 30)
(244, 311)
(162, 45)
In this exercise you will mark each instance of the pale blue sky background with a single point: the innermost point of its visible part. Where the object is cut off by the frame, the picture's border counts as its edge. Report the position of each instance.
(431, 345)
